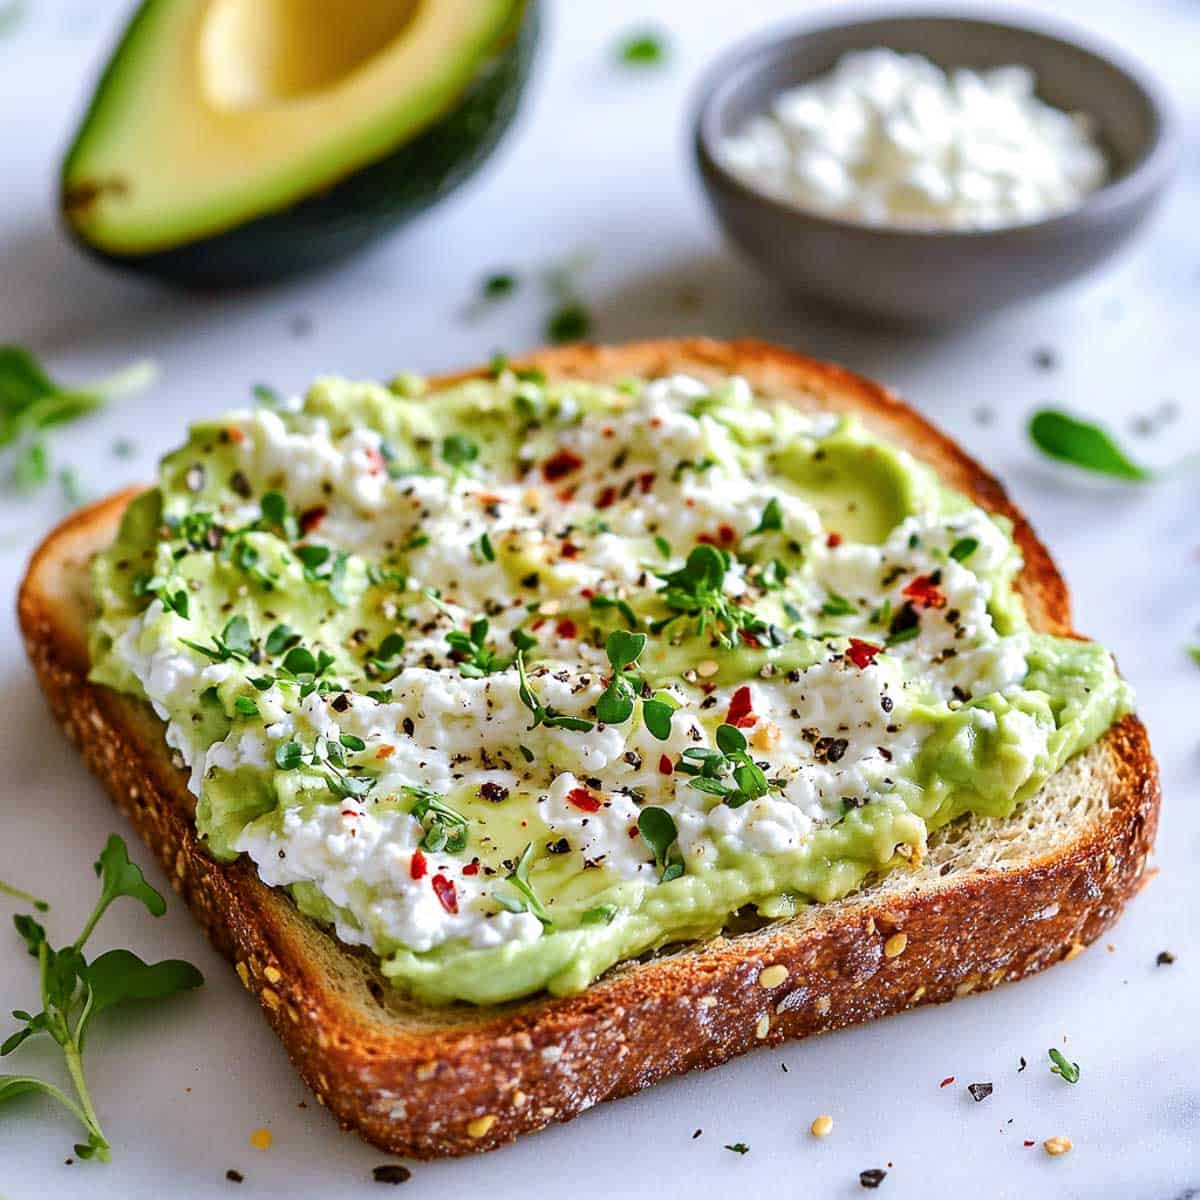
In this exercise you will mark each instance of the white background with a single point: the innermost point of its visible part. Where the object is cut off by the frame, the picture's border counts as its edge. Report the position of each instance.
(600, 165)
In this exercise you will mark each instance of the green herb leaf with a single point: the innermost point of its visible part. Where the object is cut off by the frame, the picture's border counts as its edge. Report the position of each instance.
(602, 914)
(120, 876)
(1061, 1066)
(964, 548)
(771, 520)
(458, 450)
(568, 323)
(1083, 444)
(500, 284)
(529, 902)
(656, 715)
(646, 49)
(659, 832)
(445, 827)
(738, 1148)
(623, 648)
(119, 976)
(245, 706)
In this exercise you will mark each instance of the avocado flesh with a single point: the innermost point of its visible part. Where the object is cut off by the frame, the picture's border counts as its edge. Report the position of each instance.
(240, 141)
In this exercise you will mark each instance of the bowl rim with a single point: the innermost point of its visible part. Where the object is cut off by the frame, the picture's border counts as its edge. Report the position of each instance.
(1147, 173)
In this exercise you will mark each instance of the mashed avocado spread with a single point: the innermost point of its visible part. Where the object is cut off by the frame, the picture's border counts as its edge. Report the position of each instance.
(515, 680)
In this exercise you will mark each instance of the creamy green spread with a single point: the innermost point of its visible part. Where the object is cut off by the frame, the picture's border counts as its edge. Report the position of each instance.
(515, 680)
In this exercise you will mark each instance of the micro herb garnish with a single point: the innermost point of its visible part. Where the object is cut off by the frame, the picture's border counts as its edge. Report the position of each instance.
(601, 603)
(771, 520)
(281, 639)
(275, 516)
(472, 653)
(328, 758)
(528, 902)
(321, 565)
(266, 395)
(459, 451)
(568, 323)
(31, 402)
(837, 606)
(498, 285)
(17, 893)
(386, 658)
(615, 705)
(175, 601)
(687, 464)
(658, 831)
(728, 771)
(245, 706)
(964, 548)
(738, 1148)
(234, 641)
(664, 547)
(697, 590)
(487, 552)
(445, 828)
(1083, 445)
(657, 713)
(602, 914)
(647, 49)
(75, 990)
(543, 714)
(1061, 1066)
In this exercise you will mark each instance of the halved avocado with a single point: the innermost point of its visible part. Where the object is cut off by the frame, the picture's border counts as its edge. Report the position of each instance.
(239, 141)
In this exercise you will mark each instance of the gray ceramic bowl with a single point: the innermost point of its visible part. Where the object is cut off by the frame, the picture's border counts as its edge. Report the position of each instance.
(930, 278)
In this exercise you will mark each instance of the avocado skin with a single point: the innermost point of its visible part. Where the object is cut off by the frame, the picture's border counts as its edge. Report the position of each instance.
(370, 202)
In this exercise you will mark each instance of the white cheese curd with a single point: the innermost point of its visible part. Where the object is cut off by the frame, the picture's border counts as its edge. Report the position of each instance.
(893, 139)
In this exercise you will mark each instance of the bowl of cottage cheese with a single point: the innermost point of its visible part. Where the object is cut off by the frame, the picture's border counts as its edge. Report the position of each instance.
(927, 170)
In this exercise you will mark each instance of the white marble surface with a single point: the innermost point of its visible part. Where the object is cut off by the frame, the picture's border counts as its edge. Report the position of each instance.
(600, 165)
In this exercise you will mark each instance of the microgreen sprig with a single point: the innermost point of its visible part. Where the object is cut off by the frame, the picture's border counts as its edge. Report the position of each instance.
(328, 758)
(74, 991)
(1062, 1066)
(544, 714)
(728, 771)
(445, 827)
(528, 898)
(616, 703)
(660, 833)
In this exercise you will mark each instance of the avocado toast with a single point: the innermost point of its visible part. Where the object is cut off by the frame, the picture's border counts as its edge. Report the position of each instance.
(958, 906)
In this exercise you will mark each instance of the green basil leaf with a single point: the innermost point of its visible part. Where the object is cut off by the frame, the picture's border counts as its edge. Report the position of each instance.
(1083, 444)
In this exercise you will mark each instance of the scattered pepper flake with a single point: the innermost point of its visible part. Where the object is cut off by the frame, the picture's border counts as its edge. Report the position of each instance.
(871, 1178)
(947, 1081)
(417, 865)
(979, 1091)
(1164, 958)
(311, 518)
(566, 628)
(833, 541)
(261, 1139)
(560, 465)
(862, 654)
(741, 715)
(583, 800)
(445, 891)
(665, 766)
(738, 1148)
(924, 591)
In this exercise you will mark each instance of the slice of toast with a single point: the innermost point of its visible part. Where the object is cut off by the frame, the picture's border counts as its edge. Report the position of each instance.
(993, 900)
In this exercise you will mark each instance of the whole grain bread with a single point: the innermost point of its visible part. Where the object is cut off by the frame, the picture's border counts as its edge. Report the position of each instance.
(993, 900)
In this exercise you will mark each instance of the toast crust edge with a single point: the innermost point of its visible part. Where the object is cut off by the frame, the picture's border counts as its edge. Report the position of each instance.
(430, 1092)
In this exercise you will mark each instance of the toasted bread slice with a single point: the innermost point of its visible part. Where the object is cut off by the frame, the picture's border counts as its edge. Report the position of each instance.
(994, 900)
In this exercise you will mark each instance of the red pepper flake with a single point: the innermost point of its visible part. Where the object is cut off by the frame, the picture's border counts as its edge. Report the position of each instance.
(750, 639)
(665, 766)
(707, 539)
(561, 465)
(583, 800)
(444, 890)
(417, 865)
(569, 550)
(655, 422)
(472, 868)
(862, 654)
(587, 593)
(740, 714)
(925, 592)
(566, 628)
(566, 495)
(235, 435)
(351, 812)
(947, 1081)
(385, 751)
(1028, 1142)
(646, 481)
(633, 832)
(488, 498)
(727, 534)
(606, 497)
(833, 541)
(608, 431)
(310, 518)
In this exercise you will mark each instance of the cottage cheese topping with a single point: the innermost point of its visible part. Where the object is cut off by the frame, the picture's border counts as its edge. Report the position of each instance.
(452, 690)
(893, 139)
